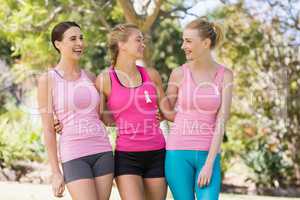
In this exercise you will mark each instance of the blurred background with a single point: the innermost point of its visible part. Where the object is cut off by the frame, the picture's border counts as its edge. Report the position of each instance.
(261, 148)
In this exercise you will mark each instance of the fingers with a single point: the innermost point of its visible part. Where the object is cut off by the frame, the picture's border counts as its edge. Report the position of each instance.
(58, 190)
(58, 185)
(208, 180)
(61, 190)
(121, 27)
(57, 126)
(158, 116)
(55, 192)
(203, 181)
(56, 121)
(200, 182)
(57, 129)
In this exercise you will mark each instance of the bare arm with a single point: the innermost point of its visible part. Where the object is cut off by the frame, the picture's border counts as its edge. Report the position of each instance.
(173, 86)
(205, 175)
(163, 101)
(103, 85)
(222, 117)
(45, 107)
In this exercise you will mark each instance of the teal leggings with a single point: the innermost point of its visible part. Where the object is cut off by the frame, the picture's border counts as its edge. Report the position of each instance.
(182, 168)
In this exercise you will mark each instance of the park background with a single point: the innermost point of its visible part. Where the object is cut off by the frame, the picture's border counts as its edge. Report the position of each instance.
(261, 148)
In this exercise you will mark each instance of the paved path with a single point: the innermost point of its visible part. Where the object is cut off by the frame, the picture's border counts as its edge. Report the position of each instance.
(17, 191)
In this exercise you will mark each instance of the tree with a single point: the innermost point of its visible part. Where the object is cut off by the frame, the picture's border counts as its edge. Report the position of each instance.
(263, 53)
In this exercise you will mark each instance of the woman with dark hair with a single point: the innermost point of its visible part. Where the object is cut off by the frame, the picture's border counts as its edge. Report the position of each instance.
(69, 93)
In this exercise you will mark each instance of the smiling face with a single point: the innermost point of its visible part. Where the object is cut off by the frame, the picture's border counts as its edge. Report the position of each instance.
(71, 46)
(134, 46)
(193, 45)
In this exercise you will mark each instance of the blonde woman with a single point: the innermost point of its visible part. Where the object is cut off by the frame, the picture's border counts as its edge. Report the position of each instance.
(133, 95)
(202, 90)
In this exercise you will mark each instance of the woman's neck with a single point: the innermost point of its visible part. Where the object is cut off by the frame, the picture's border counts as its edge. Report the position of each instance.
(68, 66)
(125, 64)
(204, 62)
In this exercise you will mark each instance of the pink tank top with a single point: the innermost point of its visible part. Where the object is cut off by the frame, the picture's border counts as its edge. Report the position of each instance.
(76, 104)
(197, 106)
(134, 111)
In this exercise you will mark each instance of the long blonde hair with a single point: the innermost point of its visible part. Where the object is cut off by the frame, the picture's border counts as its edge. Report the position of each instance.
(207, 29)
(119, 33)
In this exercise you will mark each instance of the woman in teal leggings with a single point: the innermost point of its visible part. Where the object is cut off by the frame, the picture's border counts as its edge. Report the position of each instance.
(202, 91)
(183, 168)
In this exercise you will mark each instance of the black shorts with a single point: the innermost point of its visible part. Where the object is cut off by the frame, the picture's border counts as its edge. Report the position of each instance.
(88, 167)
(147, 164)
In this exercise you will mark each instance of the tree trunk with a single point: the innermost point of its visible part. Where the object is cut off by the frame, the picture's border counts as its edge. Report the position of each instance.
(144, 23)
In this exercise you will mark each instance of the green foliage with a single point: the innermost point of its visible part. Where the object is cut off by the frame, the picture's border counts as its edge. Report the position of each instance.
(19, 139)
(168, 55)
(269, 162)
(263, 128)
(5, 51)
(27, 26)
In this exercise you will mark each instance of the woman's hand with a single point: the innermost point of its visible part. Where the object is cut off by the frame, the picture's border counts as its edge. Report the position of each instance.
(58, 185)
(159, 116)
(205, 175)
(57, 126)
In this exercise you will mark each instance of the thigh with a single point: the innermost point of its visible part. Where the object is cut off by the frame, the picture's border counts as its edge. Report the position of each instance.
(77, 169)
(83, 189)
(155, 188)
(130, 187)
(103, 169)
(103, 186)
(180, 174)
(212, 191)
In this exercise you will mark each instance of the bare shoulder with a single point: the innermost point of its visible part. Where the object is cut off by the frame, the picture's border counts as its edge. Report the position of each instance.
(154, 74)
(152, 71)
(103, 82)
(44, 79)
(177, 72)
(103, 77)
(176, 75)
(228, 75)
(90, 75)
(44, 86)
